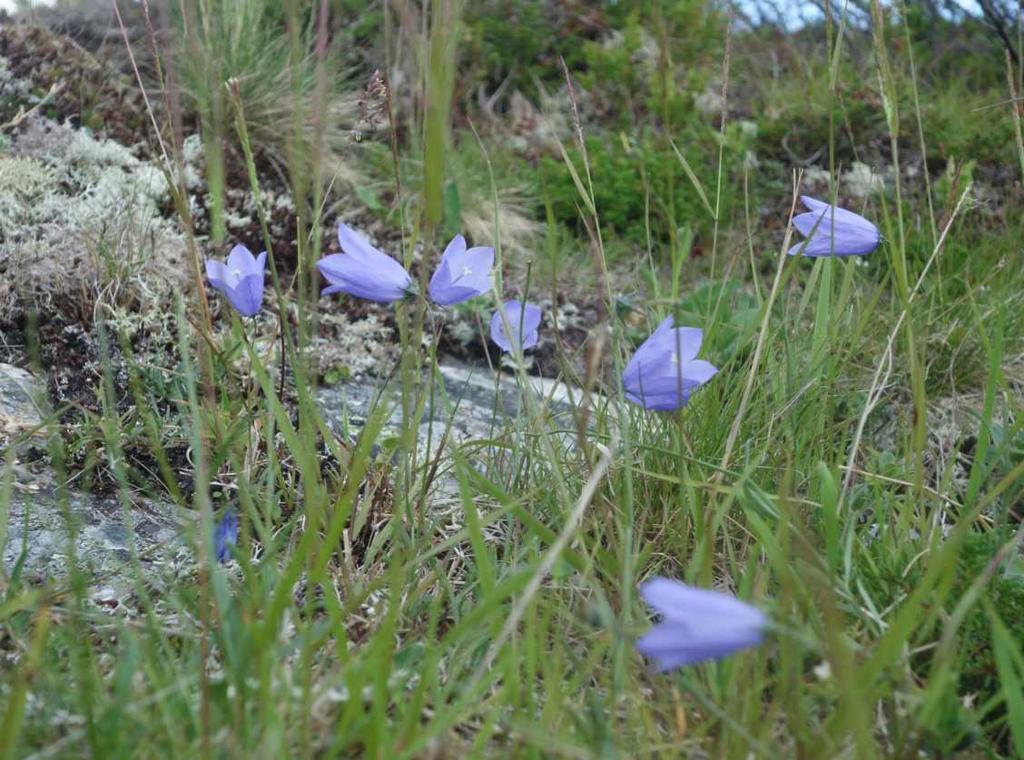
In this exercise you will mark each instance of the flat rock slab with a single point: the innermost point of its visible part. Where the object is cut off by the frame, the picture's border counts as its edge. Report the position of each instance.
(475, 404)
(45, 530)
(41, 530)
(22, 403)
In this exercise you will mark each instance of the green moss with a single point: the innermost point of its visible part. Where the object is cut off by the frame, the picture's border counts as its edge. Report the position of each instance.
(637, 177)
(509, 44)
(1006, 593)
(93, 121)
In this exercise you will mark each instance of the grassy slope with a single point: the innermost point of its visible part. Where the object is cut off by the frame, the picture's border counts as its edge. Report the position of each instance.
(895, 631)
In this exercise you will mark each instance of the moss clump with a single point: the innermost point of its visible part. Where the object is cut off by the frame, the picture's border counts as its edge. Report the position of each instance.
(80, 217)
(640, 178)
(1006, 593)
(15, 93)
(24, 182)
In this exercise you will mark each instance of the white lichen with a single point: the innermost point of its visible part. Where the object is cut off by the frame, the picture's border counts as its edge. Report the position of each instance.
(193, 159)
(15, 93)
(354, 348)
(81, 217)
(861, 181)
(816, 178)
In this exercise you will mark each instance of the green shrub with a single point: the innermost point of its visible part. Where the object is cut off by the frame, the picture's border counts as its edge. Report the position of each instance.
(634, 177)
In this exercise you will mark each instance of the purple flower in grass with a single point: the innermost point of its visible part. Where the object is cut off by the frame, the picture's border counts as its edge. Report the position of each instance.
(665, 370)
(833, 231)
(225, 535)
(696, 624)
(524, 321)
(240, 279)
(363, 271)
(462, 274)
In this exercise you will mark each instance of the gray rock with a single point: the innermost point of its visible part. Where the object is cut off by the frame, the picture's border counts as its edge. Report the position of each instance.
(475, 403)
(44, 531)
(40, 530)
(22, 403)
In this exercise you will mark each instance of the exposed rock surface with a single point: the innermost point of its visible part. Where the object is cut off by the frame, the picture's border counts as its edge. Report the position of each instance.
(41, 529)
(475, 404)
(22, 403)
(39, 522)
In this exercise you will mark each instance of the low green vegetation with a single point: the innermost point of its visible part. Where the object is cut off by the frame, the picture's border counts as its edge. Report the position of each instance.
(855, 468)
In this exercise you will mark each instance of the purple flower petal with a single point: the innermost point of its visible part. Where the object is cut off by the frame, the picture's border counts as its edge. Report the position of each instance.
(673, 645)
(663, 393)
(218, 274)
(462, 274)
(663, 371)
(240, 280)
(527, 319)
(813, 203)
(833, 231)
(675, 601)
(363, 271)
(531, 318)
(668, 323)
(242, 263)
(479, 261)
(440, 282)
(805, 223)
(355, 243)
(698, 371)
(225, 535)
(682, 342)
(697, 625)
(247, 295)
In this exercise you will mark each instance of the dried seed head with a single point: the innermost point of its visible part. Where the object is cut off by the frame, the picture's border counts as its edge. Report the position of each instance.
(373, 107)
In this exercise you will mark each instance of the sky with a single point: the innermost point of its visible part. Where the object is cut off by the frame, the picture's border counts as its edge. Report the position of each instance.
(799, 12)
(13, 5)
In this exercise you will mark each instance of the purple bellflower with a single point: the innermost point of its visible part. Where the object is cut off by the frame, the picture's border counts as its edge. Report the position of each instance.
(665, 370)
(833, 231)
(462, 274)
(697, 624)
(225, 535)
(240, 279)
(363, 271)
(524, 322)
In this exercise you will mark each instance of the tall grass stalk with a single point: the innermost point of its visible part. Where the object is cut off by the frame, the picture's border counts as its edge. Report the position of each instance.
(445, 28)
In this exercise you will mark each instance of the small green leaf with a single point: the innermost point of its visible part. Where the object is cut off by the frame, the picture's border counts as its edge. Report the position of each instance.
(370, 199)
(1010, 664)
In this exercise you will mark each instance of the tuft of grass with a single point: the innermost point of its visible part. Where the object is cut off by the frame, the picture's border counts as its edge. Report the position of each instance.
(270, 51)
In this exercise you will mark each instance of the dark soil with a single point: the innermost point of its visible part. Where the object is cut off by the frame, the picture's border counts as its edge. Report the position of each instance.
(89, 93)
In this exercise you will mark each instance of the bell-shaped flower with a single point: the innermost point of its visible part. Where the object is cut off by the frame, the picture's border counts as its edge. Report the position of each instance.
(462, 274)
(363, 271)
(833, 231)
(225, 535)
(240, 279)
(696, 624)
(665, 369)
(523, 321)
